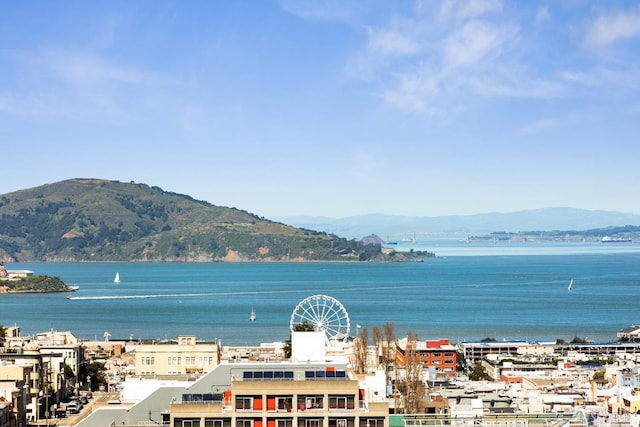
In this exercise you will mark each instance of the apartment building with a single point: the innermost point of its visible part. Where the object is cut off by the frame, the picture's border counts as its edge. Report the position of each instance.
(438, 355)
(32, 370)
(182, 357)
(284, 395)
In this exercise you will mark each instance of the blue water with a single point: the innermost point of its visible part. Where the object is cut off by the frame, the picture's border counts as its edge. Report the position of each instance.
(456, 297)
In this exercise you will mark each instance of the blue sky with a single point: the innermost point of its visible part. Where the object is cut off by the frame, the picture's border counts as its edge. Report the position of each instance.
(329, 108)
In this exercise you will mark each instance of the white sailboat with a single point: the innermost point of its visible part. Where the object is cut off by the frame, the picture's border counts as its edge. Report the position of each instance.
(117, 279)
(252, 316)
(570, 285)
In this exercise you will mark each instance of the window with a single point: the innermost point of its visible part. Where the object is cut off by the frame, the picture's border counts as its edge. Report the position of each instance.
(309, 422)
(284, 403)
(217, 422)
(372, 422)
(341, 402)
(244, 403)
(205, 360)
(186, 422)
(284, 422)
(340, 422)
(244, 422)
(267, 375)
(148, 360)
(309, 402)
(324, 375)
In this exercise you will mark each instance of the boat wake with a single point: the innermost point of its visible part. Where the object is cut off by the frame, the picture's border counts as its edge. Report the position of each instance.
(206, 294)
(202, 294)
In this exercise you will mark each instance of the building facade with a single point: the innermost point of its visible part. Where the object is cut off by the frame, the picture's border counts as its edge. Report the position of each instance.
(284, 395)
(438, 355)
(182, 357)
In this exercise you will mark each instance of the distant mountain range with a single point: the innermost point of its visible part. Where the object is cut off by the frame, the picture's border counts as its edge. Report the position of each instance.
(396, 227)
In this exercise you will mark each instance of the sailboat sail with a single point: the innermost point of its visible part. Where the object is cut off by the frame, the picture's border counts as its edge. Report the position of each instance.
(570, 285)
(252, 317)
(117, 279)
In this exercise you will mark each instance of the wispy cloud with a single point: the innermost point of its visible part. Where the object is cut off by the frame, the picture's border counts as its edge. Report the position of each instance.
(88, 69)
(539, 126)
(71, 83)
(445, 55)
(436, 58)
(610, 27)
(461, 10)
(391, 42)
(542, 15)
(476, 41)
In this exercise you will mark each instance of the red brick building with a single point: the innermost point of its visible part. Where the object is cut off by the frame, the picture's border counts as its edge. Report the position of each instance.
(438, 354)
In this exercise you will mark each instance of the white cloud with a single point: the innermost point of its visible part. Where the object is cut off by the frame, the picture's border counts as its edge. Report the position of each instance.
(474, 42)
(461, 10)
(415, 92)
(85, 69)
(391, 42)
(326, 10)
(611, 27)
(542, 15)
(54, 82)
(538, 126)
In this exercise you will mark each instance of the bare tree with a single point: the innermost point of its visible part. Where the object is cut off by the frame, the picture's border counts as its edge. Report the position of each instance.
(413, 385)
(376, 335)
(360, 351)
(410, 384)
(388, 352)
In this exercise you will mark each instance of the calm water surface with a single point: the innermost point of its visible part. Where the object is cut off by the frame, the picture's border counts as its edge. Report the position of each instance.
(457, 296)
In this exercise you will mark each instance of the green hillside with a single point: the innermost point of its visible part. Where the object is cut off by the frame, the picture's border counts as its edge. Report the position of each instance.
(100, 220)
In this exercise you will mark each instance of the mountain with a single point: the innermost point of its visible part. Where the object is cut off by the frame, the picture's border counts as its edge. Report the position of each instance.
(100, 220)
(398, 227)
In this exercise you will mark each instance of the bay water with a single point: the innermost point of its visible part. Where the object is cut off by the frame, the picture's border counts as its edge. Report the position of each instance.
(467, 292)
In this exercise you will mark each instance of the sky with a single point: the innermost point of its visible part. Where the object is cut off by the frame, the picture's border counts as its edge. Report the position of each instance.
(329, 107)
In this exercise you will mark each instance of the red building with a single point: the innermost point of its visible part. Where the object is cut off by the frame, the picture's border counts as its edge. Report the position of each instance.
(438, 354)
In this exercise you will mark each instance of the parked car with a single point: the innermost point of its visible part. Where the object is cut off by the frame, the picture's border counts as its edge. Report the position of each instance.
(73, 407)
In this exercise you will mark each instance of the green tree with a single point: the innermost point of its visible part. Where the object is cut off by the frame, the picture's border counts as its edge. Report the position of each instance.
(92, 374)
(578, 340)
(479, 373)
(68, 372)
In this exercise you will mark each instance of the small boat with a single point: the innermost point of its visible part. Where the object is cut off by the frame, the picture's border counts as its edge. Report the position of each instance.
(252, 316)
(117, 279)
(74, 288)
(570, 285)
(608, 239)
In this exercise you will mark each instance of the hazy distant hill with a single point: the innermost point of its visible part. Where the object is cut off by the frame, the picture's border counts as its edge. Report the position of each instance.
(99, 220)
(396, 227)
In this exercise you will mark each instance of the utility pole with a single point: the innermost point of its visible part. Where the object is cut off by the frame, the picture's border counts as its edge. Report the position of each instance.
(46, 391)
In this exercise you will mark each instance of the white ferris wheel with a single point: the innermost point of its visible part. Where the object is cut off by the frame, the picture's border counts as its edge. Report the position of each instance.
(326, 314)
